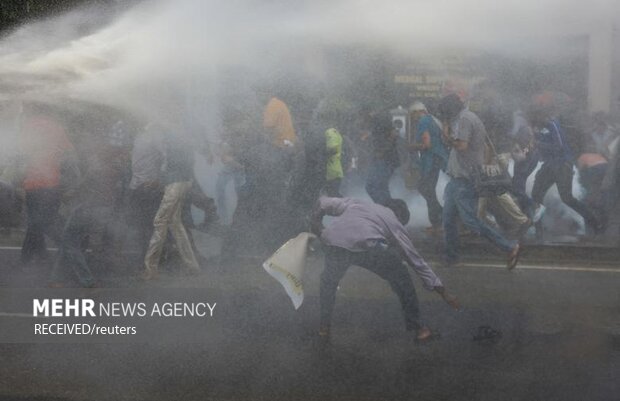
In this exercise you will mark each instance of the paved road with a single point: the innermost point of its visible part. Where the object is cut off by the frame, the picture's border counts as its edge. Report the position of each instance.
(561, 341)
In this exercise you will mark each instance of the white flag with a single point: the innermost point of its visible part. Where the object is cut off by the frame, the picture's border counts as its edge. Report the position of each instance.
(287, 266)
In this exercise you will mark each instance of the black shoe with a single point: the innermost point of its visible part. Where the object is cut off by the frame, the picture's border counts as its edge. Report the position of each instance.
(523, 228)
(600, 227)
(487, 333)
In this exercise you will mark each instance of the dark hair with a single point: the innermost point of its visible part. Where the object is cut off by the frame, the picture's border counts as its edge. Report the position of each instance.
(537, 115)
(400, 209)
(382, 124)
(450, 106)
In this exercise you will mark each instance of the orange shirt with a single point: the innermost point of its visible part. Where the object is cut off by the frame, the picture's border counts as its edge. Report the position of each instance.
(43, 144)
(277, 119)
(590, 160)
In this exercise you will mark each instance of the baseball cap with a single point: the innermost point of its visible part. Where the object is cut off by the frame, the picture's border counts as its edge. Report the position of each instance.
(417, 106)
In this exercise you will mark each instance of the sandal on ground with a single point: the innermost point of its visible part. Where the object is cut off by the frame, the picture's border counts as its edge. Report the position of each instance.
(487, 333)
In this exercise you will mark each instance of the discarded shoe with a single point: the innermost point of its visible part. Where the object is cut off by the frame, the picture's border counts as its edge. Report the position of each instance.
(487, 333)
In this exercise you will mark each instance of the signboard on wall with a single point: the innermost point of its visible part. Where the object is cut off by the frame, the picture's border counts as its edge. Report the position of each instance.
(433, 77)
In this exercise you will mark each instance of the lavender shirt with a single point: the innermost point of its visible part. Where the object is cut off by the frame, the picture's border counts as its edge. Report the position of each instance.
(359, 225)
(146, 159)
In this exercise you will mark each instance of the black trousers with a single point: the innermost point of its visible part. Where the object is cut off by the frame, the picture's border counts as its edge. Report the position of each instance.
(561, 174)
(427, 188)
(522, 170)
(43, 219)
(387, 264)
(332, 188)
(144, 203)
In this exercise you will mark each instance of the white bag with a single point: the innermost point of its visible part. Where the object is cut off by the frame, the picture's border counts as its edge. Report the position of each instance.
(287, 266)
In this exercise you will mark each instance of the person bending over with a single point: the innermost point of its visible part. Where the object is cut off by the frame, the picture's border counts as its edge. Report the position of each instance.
(373, 237)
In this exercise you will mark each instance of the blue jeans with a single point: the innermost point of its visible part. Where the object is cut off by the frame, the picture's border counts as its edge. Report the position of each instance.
(223, 178)
(84, 220)
(461, 200)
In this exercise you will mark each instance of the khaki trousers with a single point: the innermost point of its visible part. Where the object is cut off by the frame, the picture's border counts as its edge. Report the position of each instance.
(169, 217)
(505, 210)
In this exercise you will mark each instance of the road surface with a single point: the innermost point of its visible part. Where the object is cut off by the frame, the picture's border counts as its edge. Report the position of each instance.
(560, 339)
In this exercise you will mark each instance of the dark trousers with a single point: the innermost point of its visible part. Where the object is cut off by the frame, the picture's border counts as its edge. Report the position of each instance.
(378, 182)
(250, 216)
(144, 204)
(561, 174)
(427, 188)
(591, 178)
(84, 220)
(43, 219)
(332, 188)
(387, 264)
(522, 171)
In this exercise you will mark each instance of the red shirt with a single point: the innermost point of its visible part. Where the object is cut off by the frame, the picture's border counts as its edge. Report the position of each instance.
(44, 142)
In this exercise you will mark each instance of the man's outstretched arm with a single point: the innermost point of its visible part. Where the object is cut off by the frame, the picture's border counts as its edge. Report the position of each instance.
(422, 269)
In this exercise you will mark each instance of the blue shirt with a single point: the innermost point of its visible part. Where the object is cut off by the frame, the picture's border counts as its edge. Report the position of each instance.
(437, 150)
(552, 143)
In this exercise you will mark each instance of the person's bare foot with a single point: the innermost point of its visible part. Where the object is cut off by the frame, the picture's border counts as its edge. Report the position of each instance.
(424, 334)
(324, 331)
(149, 275)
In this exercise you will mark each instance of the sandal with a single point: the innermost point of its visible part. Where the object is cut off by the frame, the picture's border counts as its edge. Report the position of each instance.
(487, 333)
(513, 258)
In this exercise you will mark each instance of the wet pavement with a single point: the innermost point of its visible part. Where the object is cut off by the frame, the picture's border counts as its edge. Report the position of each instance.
(560, 340)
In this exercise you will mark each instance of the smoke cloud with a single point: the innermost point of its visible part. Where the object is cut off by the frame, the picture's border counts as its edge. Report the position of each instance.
(154, 48)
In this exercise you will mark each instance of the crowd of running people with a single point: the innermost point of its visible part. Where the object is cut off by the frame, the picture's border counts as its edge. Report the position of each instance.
(282, 160)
